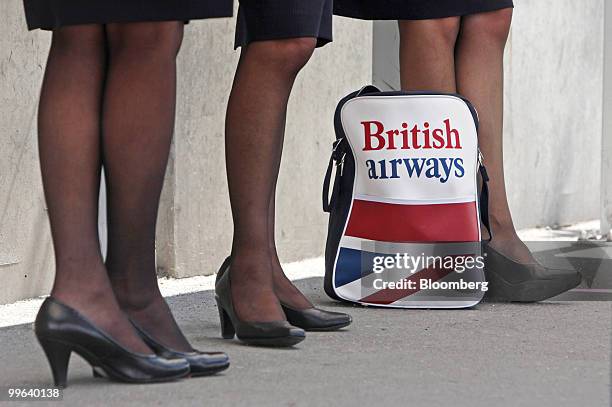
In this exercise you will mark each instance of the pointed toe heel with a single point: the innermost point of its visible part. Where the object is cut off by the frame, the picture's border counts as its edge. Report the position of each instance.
(511, 281)
(285, 336)
(61, 330)
(315, 319)
(200, 363)
(271, 334)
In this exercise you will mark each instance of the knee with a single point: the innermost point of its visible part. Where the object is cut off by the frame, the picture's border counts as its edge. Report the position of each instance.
(444, 30)
(78, 40)
(289, 55)
(493, 26)
(146, 40)
(440, 32)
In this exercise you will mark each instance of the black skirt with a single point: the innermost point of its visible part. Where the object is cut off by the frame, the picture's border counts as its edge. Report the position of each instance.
(415, 9)
(260, 20)
(52, 14)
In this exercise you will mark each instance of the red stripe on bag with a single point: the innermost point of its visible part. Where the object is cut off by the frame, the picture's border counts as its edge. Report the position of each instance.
(452, 222)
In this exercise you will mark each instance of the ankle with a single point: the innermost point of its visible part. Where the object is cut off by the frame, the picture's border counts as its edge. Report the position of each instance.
(140, 308)
(88, 282)
(275, 261)
(135, 296)
(502, 228)
(78, 294)
(251, 260)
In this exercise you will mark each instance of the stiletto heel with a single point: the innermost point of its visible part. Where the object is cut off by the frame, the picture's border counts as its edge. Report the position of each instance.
(227, 328)
(58, 355)
(62, 330)
(275, 333)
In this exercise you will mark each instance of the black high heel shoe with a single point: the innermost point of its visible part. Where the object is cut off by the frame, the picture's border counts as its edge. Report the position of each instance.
(200, 363)
(275, 333)
(62, 330)
(315, 319)
(516, 282)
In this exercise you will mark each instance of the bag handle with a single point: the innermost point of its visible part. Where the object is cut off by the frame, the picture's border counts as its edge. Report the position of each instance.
(337, 157)
(367, 89)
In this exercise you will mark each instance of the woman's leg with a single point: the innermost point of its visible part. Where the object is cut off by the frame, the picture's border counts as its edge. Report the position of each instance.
(427, 48)
(138, 117)
(254, 131)
(69, 143)
(421, 69)
(479, 66)
(286, 292)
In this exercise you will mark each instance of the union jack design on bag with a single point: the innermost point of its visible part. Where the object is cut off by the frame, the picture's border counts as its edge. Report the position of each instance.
(404, 228)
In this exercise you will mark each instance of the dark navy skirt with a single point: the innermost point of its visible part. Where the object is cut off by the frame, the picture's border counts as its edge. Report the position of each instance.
(51, 14)
(415, 9)
(260, 20)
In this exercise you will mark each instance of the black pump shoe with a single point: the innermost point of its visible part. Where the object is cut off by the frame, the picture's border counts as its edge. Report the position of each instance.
(315, 319)
(200, 363)
(62, 330)
(516, 282)
(275, 333)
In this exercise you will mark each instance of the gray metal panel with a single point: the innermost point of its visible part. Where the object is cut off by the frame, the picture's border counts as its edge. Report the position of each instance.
(606, 140)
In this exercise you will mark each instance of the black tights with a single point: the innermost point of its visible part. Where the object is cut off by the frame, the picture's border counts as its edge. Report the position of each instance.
(466, 55)
(108, 98)
(255, 128)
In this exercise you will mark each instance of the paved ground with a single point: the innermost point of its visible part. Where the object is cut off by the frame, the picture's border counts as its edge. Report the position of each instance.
(550, 354)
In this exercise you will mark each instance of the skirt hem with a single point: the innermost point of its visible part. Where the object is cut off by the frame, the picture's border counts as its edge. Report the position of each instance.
(267, 20)
(367, 15)
(40, 14)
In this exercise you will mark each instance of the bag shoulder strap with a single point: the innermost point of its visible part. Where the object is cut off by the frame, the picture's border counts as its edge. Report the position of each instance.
(339, 150)
(337, 157)
(484, 199)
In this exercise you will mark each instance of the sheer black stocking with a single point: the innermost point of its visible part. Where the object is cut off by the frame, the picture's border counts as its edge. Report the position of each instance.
(254, 132)
(286, 292)
(479, 64)
(465, 55)
(69, 144)
(138, 123)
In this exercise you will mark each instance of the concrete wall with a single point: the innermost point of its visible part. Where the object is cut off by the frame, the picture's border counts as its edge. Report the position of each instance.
(553, 107)
(195, 223)
(26, 258)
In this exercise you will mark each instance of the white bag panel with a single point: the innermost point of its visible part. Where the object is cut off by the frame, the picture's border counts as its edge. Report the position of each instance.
(392, 112)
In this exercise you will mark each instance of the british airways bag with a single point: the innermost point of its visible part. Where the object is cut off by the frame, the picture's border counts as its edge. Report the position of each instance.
(405, 209)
